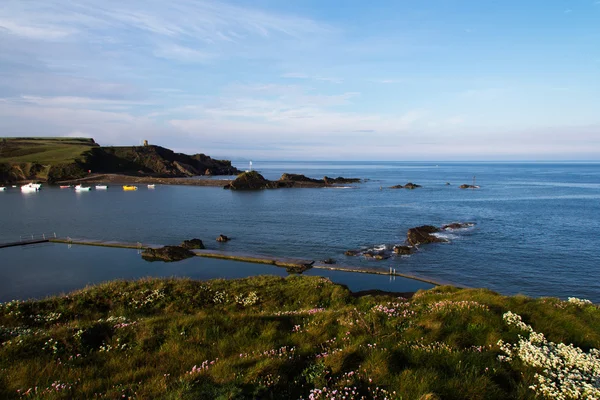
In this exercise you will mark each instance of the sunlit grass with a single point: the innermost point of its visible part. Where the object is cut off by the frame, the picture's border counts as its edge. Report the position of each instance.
(269, 337)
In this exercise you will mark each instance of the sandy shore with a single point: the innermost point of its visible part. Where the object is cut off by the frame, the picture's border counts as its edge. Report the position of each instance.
(129, 179)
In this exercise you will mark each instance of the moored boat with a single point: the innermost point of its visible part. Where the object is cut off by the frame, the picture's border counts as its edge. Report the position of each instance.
(30, 187)
(2, 188)
(129, 187)
(151, 186)
(80, 188)
(65, 186)
(101, 187)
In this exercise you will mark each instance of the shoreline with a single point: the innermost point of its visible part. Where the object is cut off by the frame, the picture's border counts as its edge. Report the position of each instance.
(253, 258)
(129, 179)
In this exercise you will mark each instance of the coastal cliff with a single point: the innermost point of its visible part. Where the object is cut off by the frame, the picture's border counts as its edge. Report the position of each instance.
(57, 159)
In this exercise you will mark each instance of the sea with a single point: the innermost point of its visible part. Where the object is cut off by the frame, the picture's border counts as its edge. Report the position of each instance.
(536, 228)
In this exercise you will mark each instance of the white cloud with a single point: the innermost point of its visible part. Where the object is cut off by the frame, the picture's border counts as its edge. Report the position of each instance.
(182, 53)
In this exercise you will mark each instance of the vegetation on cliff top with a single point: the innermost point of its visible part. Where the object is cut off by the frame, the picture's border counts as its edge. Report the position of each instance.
(55, 159)
(292, 338)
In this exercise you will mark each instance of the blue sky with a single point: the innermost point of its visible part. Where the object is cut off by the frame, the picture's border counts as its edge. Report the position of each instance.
(303, 80)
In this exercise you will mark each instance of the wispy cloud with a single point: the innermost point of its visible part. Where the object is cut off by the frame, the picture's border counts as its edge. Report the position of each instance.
(386, 81)
(298, 75)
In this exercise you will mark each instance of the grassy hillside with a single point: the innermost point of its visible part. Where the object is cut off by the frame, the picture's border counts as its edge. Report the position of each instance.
(294, 338)
(47, 151)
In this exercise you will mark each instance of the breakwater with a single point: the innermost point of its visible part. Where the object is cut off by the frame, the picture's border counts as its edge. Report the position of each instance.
(244, 257)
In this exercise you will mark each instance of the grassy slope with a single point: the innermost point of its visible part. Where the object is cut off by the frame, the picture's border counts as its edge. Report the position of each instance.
(142, 340)
(46, 151)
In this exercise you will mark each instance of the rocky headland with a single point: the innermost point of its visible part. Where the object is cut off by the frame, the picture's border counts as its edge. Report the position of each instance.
(63, 159)
(252, 180)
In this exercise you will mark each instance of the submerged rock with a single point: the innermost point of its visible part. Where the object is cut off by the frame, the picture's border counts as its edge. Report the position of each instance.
(377, 255)
(352, 252)
(223, 239)
(329, 261)
(465, 186)
(167, 254)
(458, 225)
(423, 235)
(403, 250)
(192, 244)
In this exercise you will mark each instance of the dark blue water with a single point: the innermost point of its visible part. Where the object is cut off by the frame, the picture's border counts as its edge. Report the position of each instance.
(51, 269)
(536, 229)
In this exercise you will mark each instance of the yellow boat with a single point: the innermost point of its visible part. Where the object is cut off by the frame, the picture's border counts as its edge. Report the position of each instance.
(127, 187)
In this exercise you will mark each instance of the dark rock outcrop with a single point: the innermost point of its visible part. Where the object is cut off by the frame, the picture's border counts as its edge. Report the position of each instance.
(299, 268)
(465, 186)
(223, 239)
(251, 180)
(167, 254)
(423, 235)
(339, 180)
(409, 185)
(192, 244)
(377, 255)
(154, 161)
(403, 250)
(352, 253)
(298, 178)
(329, 261)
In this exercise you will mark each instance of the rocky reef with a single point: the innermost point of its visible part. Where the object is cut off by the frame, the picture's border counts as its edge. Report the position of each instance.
(409, 185)
(252, 180)
(167, 254)
(415, 237)
(192, 244)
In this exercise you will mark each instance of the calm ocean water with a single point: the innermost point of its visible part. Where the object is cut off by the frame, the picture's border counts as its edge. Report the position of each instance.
(536, 227)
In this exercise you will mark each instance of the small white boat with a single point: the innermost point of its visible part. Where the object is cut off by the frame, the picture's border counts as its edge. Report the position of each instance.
(101, 187)
(151, 186)
(30, 187)
(80, 188)
(14, 185)
(2, 189)
(38, 186)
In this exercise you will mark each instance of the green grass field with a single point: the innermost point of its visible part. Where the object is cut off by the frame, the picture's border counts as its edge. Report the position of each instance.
(294, 338)
(46, 151)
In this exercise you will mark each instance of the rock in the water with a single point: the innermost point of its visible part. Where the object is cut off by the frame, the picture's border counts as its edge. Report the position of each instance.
(465, 186)
(352, 252)
(250, 180)
(423, 235)
(447, 183)
(298, 269)
(377, 255)
(458, 225)
(329, 261)
(192, 244)
(339, 180)
(403, 250)
(167, 254)
(223, 239)
(409, 185)
(298, 178)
